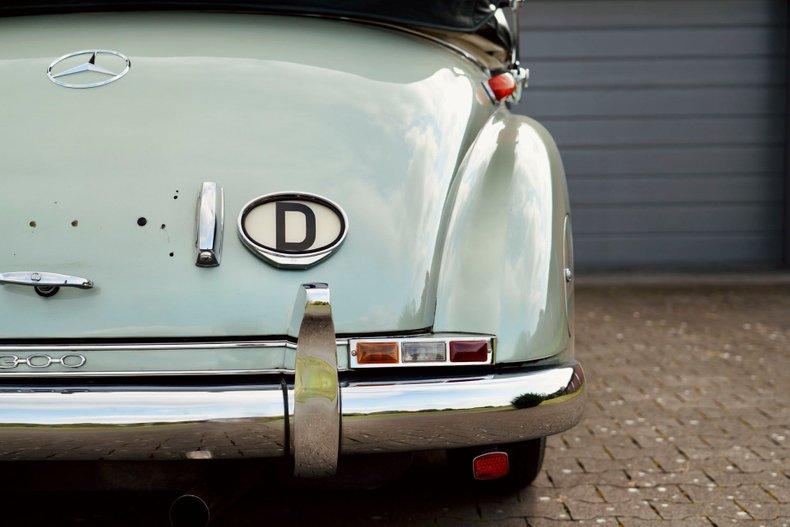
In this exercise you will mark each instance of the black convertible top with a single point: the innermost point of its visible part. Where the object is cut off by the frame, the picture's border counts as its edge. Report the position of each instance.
(453, 15)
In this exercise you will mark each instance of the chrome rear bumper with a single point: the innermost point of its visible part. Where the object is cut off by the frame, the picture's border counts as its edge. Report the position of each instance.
(311, 416)
(256, 420)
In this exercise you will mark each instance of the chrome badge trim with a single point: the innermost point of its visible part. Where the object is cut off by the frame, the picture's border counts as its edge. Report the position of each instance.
(292, 260)
(88, 66)
(41, 360)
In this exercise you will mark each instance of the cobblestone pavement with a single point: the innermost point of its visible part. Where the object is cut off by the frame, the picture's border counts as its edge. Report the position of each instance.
(689, 415)
(688, 424)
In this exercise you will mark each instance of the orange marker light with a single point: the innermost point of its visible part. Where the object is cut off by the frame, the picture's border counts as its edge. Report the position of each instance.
(377, 352)
(502, 85)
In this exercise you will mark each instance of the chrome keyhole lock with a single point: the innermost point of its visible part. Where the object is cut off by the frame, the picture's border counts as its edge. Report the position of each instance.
(46, 290)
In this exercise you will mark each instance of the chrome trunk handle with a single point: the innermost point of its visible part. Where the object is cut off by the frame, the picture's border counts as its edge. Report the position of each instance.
(210, 223)
(46, 284)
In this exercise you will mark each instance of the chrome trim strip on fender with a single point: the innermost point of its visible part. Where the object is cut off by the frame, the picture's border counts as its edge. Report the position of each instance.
(316, 416)
(7, 374)
(158, 346)
(210, 224)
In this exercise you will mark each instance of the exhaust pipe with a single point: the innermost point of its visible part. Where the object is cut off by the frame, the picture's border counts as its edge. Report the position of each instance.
(189, 510)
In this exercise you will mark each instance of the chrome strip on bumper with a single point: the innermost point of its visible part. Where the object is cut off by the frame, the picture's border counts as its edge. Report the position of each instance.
(124, 422)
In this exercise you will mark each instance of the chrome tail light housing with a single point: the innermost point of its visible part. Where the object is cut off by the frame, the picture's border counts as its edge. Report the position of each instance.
(421, 350)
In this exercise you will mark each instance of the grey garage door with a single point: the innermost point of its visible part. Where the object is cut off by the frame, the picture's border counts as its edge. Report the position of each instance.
(670, 115)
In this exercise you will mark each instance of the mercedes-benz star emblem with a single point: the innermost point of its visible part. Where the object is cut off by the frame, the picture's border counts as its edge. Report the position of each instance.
(69, 69)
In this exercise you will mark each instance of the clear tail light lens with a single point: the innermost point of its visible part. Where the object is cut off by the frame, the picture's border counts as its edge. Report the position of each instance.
(426, 351)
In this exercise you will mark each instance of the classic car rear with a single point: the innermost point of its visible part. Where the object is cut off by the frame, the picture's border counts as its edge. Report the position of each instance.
(380, 260)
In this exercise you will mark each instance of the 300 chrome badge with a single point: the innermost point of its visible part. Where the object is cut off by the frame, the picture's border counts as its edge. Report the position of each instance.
(292, 229)
(41, 360)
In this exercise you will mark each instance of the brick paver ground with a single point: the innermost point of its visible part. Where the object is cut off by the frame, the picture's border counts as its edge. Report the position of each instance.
(689, 414)
(688, 424)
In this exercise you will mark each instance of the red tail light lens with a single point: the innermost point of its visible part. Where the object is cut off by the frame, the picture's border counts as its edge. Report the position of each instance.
(502, 85)
(377, 352)
(493, 465)
(468, 351)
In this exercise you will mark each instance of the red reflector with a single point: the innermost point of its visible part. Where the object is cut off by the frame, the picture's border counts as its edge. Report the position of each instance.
(468, 351)
(493, 465)
(502, 85)
(377, 352)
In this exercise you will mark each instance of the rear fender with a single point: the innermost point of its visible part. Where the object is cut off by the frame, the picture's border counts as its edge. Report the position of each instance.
(501, 269)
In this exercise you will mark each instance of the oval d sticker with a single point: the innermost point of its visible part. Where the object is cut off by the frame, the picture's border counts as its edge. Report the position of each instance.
(292, 229)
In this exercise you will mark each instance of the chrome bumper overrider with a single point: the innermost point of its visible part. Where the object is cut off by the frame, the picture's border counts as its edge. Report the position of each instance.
(312, 415)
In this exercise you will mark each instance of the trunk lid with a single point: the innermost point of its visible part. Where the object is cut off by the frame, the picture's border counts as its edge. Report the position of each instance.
(372, 119)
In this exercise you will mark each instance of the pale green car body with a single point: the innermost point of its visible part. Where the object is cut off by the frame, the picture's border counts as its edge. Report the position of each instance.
(456, 207)
(129, 330)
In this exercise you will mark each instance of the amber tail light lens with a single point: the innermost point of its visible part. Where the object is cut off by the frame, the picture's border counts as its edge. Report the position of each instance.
(377, 352)
(468, 351)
